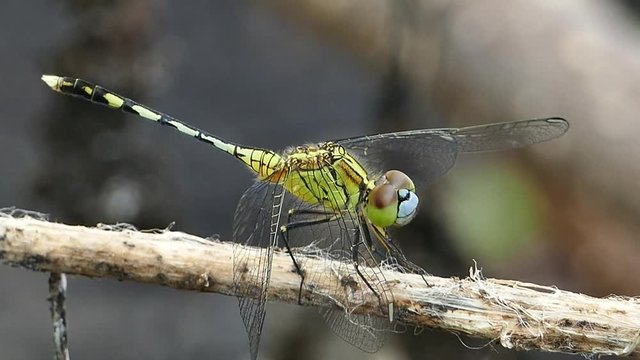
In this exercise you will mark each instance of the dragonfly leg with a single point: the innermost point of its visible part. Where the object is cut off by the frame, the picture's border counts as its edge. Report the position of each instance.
(284, 236)
(295, 212)
(355, 254)
(379, 253)
(369, 244)
(405, 263)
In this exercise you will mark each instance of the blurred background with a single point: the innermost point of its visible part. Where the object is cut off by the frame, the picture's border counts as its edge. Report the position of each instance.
(285, 72)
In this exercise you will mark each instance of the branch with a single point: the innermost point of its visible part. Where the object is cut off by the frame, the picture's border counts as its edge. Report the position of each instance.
(57, 297)
(519, 315)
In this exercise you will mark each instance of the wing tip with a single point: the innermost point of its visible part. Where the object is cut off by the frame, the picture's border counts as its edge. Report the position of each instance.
(559, 122)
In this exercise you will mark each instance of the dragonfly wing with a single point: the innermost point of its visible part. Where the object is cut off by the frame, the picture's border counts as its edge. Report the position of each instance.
(253, 254)
(429, 153)
(363, 331)
(333, 242)
(508, 135)
(422, 154)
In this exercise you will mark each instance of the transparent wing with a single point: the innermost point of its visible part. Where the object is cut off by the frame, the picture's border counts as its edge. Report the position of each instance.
(364, 331)
(424, 155)
(261, 211)
(256, 217)
(338, 244)
(509, 135)
(429, 153)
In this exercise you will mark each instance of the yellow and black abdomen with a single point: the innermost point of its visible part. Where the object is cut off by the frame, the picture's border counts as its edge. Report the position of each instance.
(265, 163)
(96, 94)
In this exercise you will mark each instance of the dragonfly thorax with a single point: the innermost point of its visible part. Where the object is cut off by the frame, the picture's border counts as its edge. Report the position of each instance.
(326, 175)
(309, 157)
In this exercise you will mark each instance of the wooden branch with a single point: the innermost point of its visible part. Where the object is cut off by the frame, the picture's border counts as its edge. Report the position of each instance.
(519, 315)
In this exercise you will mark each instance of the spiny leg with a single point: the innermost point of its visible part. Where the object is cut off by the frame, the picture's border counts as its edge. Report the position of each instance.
(355, 254)
(284, 236)
(369, 241)
(295, 212)
(398, 255)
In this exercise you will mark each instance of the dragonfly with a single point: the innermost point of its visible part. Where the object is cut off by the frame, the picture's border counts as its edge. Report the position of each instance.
(332, 201)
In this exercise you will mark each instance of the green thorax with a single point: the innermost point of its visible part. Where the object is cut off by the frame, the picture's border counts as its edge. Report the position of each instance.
(320, 175)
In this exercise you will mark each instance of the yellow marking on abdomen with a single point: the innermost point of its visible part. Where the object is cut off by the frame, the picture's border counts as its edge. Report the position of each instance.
(184, 129)
(113, 100)
(146, 113)
(264, 163)
(268, 165)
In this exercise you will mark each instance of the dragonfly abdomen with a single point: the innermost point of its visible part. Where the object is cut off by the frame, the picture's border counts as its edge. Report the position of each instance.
(268, 165)
(264, 163)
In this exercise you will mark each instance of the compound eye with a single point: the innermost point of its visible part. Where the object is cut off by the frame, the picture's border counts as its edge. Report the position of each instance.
(382, 205)
(383, 196)
(400, 180)
(407, 207)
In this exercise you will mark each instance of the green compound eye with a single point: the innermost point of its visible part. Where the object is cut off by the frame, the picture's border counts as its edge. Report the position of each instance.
(382, 206)
(393, 201)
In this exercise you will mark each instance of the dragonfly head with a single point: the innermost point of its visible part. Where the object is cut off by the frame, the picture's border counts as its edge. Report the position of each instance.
(393, 200)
